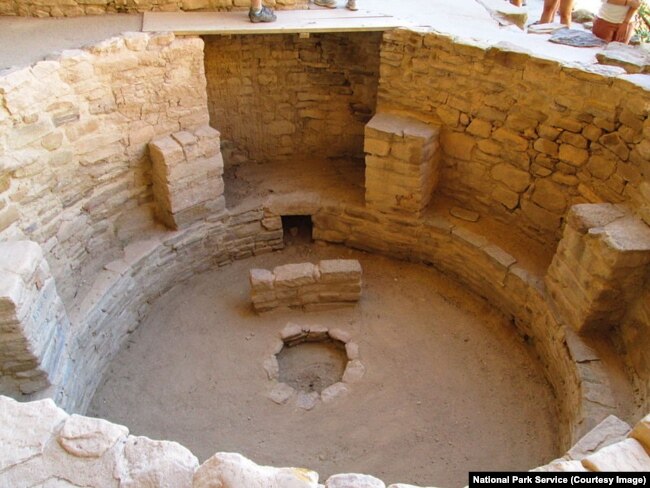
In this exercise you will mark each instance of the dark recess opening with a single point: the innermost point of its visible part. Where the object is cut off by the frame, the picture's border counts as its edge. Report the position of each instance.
(297, 229)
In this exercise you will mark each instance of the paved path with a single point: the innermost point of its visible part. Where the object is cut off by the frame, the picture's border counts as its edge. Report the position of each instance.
(24, 41)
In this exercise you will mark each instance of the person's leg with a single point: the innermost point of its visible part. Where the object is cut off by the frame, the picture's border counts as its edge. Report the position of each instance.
(566, 9)
(603, 29)
(548, 14)
(259, 13)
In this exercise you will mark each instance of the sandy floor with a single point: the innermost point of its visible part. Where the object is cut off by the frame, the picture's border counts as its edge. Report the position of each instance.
(449, 386)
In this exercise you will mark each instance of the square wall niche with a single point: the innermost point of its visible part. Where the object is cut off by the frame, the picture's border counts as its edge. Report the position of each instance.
(282, 97)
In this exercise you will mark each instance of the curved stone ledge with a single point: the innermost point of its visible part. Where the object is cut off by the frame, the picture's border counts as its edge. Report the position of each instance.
(40, 443)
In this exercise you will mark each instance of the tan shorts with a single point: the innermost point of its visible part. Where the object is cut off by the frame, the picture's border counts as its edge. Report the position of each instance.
(607, 30)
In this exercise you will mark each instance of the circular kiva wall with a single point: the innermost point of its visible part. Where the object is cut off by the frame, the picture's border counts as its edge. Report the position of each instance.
(529, 145)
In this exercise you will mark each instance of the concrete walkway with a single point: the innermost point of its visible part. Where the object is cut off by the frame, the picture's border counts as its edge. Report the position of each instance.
(24, 41)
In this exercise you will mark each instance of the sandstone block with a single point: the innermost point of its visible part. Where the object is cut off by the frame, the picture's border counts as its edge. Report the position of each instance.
(25, 429)
(334, 391)
(261, 279)
(339, 270)
(627, 455)
(353, 480)
(232, 470)
(609, 431)
(145, 462)
(89, 437)
(641, 432)
(295, 275)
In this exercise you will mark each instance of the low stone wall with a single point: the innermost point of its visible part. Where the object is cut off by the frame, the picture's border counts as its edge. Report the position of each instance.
(41, 444)
(74, 8)
(330, 283)
(282, 96)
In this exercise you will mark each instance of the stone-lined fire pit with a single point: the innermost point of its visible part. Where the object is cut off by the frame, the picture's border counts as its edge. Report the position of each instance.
(307, 388)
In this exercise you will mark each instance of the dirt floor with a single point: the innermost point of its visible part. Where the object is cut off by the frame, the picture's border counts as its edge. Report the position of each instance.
(449, 386)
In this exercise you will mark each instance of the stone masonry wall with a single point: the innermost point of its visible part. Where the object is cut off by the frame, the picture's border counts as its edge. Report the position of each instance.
(73, 144)
(281, 96)
(73, 8)
(523, 138)
(330, 283)
(33, 322)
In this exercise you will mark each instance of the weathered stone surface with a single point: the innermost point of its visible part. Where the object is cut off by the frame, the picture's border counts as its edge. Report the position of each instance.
(340, 335)
(631, 58)
(641, 432)
(609, 431)
(464, 214)
(353, 480)
(307, 401)
(354, 371)
(332, 270)
(231, 470)
(627, 455)
(25, 428)
(576, 38)
(89, 437)
(295, 275)
(280, 393)
(334, 391)
(145, 462)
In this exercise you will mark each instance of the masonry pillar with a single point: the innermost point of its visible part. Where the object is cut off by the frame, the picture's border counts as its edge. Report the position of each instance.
(33, 320)
(187, 176)
(600, 265)
(402, 163)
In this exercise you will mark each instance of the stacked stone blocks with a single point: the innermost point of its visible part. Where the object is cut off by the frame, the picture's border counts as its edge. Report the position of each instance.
(330, 283)
(600, 266)
(187, 177)
(402, 163)
(33, 321)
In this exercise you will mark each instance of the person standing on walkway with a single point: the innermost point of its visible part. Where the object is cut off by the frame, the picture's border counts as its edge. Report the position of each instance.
(614, 20)
(260, 13)
(550, 9)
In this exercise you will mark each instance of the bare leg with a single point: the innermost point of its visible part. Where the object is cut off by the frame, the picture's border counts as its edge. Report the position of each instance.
(548, 15)
(256, 4)
(566, 8)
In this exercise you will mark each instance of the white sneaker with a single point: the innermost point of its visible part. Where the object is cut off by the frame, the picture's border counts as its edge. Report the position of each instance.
(325, 3)
(352, 5)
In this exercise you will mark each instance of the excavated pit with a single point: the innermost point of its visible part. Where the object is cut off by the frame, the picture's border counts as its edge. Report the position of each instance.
(312, 366)
(447, 379)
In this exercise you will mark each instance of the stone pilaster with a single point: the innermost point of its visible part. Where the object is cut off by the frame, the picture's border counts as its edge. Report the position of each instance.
(33, 320)
(600, 265)
(187, 177)
(402, 160)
